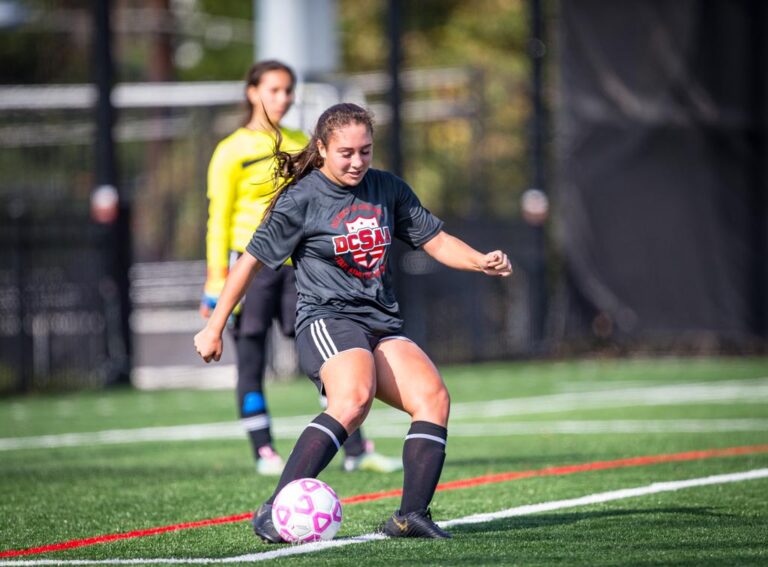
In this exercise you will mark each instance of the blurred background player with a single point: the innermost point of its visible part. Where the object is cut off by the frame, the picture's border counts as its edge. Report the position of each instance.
(241, 184)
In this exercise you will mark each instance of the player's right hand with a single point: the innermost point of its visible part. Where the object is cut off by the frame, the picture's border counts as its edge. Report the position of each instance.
(496, 263)
(208, 345)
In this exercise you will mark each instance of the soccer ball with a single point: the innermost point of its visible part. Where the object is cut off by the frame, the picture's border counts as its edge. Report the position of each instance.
(306, 510)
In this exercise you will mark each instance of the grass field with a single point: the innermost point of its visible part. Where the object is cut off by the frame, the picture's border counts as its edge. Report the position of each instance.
(81, 466)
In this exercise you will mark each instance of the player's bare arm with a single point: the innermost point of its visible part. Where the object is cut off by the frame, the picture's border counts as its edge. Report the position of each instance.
(456, 253)
(208, 342)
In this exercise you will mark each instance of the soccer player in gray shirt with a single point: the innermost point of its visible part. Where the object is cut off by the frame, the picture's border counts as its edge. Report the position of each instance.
(336, 219)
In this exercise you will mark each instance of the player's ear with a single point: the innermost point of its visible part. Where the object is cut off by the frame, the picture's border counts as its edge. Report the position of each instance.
(321, 149)
(252, 92)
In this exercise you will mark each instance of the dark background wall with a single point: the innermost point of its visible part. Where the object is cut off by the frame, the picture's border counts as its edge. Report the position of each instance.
(662, 182)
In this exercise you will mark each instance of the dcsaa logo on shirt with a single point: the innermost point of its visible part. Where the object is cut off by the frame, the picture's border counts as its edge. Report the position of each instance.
(366, 241)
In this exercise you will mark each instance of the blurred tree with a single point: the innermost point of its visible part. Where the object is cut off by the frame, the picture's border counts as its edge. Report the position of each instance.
(221, 46)
(205, 39)
(47, 43)
(487, 35)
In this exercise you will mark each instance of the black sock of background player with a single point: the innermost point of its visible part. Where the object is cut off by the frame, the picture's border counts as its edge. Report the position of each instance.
(355, 445)
(254, 414)
(423, 458)
(315, 448)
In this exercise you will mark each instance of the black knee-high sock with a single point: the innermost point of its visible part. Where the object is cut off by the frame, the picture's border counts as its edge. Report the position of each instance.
(252, 404)
(423, 458)
(315, 448)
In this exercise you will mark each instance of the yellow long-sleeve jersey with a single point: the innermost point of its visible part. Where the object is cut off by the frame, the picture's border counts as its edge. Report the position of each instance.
(240, 187)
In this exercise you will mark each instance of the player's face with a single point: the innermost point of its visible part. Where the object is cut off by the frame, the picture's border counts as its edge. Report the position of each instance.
(348, 154)
(274, 93)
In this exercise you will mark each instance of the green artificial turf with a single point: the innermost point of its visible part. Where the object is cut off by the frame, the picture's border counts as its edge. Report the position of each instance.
(61, 493)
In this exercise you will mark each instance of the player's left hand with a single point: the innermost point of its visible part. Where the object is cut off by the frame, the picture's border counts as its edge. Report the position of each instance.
(496, 263)
(208, 345)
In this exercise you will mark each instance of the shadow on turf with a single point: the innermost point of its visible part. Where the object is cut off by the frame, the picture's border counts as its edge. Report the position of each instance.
(549, 520)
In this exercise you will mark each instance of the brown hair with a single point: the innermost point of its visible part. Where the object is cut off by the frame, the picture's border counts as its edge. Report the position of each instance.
(253, 78)
(293, 167)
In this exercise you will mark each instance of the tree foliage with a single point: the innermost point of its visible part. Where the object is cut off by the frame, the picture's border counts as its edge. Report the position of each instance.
(459, 166)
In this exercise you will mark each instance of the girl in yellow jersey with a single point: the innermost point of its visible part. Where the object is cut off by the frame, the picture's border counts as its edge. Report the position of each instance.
(241, 185)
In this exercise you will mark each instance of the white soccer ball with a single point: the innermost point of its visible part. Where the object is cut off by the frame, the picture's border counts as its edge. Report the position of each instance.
(306, 510)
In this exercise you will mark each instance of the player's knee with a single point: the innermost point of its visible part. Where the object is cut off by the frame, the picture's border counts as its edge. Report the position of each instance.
(433, 405)
(352, 409)
(351, 416)
(442, 403)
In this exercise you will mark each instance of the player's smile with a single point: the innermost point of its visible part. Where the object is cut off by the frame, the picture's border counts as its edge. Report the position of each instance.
(348, 155)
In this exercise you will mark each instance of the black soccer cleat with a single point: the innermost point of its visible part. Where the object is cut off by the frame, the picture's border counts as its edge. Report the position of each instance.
(414, 524)
(263, 526)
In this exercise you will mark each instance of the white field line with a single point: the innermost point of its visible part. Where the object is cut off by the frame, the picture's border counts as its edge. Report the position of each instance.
(744, 391)
(287, 551)
(218, 377)
(575, 427)
(392, 423)
(753, 390)
(392, 431)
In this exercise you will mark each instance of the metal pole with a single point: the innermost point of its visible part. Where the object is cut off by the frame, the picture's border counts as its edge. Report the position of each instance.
(395, 94)
(756, 134)
(537, 50)
(106, 207)
(103, 77)
(539, 294)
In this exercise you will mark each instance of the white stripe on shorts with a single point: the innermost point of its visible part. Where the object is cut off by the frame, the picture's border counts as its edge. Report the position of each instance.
(318, 343)
(322, 339)
(425, 436)
(327, 431)
(328, 337)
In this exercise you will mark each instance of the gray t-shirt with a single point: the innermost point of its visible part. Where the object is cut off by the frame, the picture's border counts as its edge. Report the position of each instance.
(339, 240)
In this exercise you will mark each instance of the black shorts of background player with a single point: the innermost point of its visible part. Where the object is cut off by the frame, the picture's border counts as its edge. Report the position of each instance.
(336, 219)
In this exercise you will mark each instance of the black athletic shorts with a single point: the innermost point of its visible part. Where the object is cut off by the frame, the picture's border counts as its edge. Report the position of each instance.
(271, 295)
(324, 338)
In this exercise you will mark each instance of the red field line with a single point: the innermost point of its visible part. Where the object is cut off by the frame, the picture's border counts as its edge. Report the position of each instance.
(125, 535)
(454, 485)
